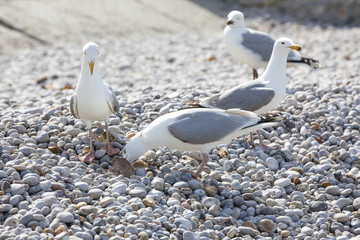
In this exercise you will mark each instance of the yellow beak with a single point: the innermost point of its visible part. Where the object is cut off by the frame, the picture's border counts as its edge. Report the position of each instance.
(296, 47)
(91, 65)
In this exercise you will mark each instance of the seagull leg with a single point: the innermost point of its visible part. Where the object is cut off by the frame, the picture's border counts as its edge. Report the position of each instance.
(255, 73)
(202, 164)
(87, 158)
(261, 144)
(110, 151)
(252, 143)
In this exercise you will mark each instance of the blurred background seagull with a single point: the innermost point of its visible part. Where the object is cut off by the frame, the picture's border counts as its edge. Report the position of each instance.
(93, 99)
(195, 129)
(253, 47)
(261, 95)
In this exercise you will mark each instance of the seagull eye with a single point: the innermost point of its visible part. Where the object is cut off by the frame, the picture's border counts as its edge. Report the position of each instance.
(282, 43)
(125, 151)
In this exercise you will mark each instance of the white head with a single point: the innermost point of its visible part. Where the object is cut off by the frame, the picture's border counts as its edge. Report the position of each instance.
(285, 45)
(235, 19)
(90, 54)
(134, 148)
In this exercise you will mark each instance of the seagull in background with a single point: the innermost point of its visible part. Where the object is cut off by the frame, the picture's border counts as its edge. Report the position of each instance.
(253, 47)
(93, 100)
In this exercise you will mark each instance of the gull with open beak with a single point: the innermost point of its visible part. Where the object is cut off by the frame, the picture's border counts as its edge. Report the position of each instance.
(93, 100)
(253, 47)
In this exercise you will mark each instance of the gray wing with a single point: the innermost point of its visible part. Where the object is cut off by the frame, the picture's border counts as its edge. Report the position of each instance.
(208, 125)
(260, 43)
(112, 100)
(249, 96)
(73, 106)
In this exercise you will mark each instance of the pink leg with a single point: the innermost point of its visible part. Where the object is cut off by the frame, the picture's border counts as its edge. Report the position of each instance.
(110, 151)
(252, 143)
(87, 158)
(261, 144)
(202, 164)
(255, 73)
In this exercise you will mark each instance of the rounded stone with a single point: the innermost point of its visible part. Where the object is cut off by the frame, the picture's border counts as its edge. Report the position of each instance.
(272, 163)
(319, 206)
(282, 182)
(83, 186)
(17, 189)
(119, 188)
(183, 221)
(138, 192)
(95, 193)
(341, 217)
(210, 201)
(356, 203)
(307, 231)
(106, 201)
(143, 236)
(266, 225)
(66, 217)
(333, 190)
(31, 180)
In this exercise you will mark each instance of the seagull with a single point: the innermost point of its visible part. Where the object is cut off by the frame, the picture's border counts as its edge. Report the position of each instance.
(93, 100)
(195, 129)
(261, 95)
(253, 47)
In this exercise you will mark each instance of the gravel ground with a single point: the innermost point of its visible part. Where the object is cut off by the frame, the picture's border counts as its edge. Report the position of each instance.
(306, 189)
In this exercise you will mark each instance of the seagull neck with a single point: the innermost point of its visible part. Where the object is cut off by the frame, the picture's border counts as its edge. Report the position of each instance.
(136, 147)
(276, 68)
(86, 74)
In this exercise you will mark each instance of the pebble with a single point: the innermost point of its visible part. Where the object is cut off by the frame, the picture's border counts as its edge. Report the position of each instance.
(66, 217)
(95, 193)
(282, 182)
(17, 189)
(248, 231)
(333, 190)
(341, 217)
(187, 235)
(5, 207)
(272, 163)
(27, 150)
(183, 221)
(42, 137)
(343, 202)
(307, 231)
(119, 188)
(266, 225)
(138, 192)
(106, 201)
(356, 203)
(319, 206)
(6, 187)
(31, 180)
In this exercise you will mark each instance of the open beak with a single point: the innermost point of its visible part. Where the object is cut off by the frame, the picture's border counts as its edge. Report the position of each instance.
(91, 65)
(296, 47)
(229, 22)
